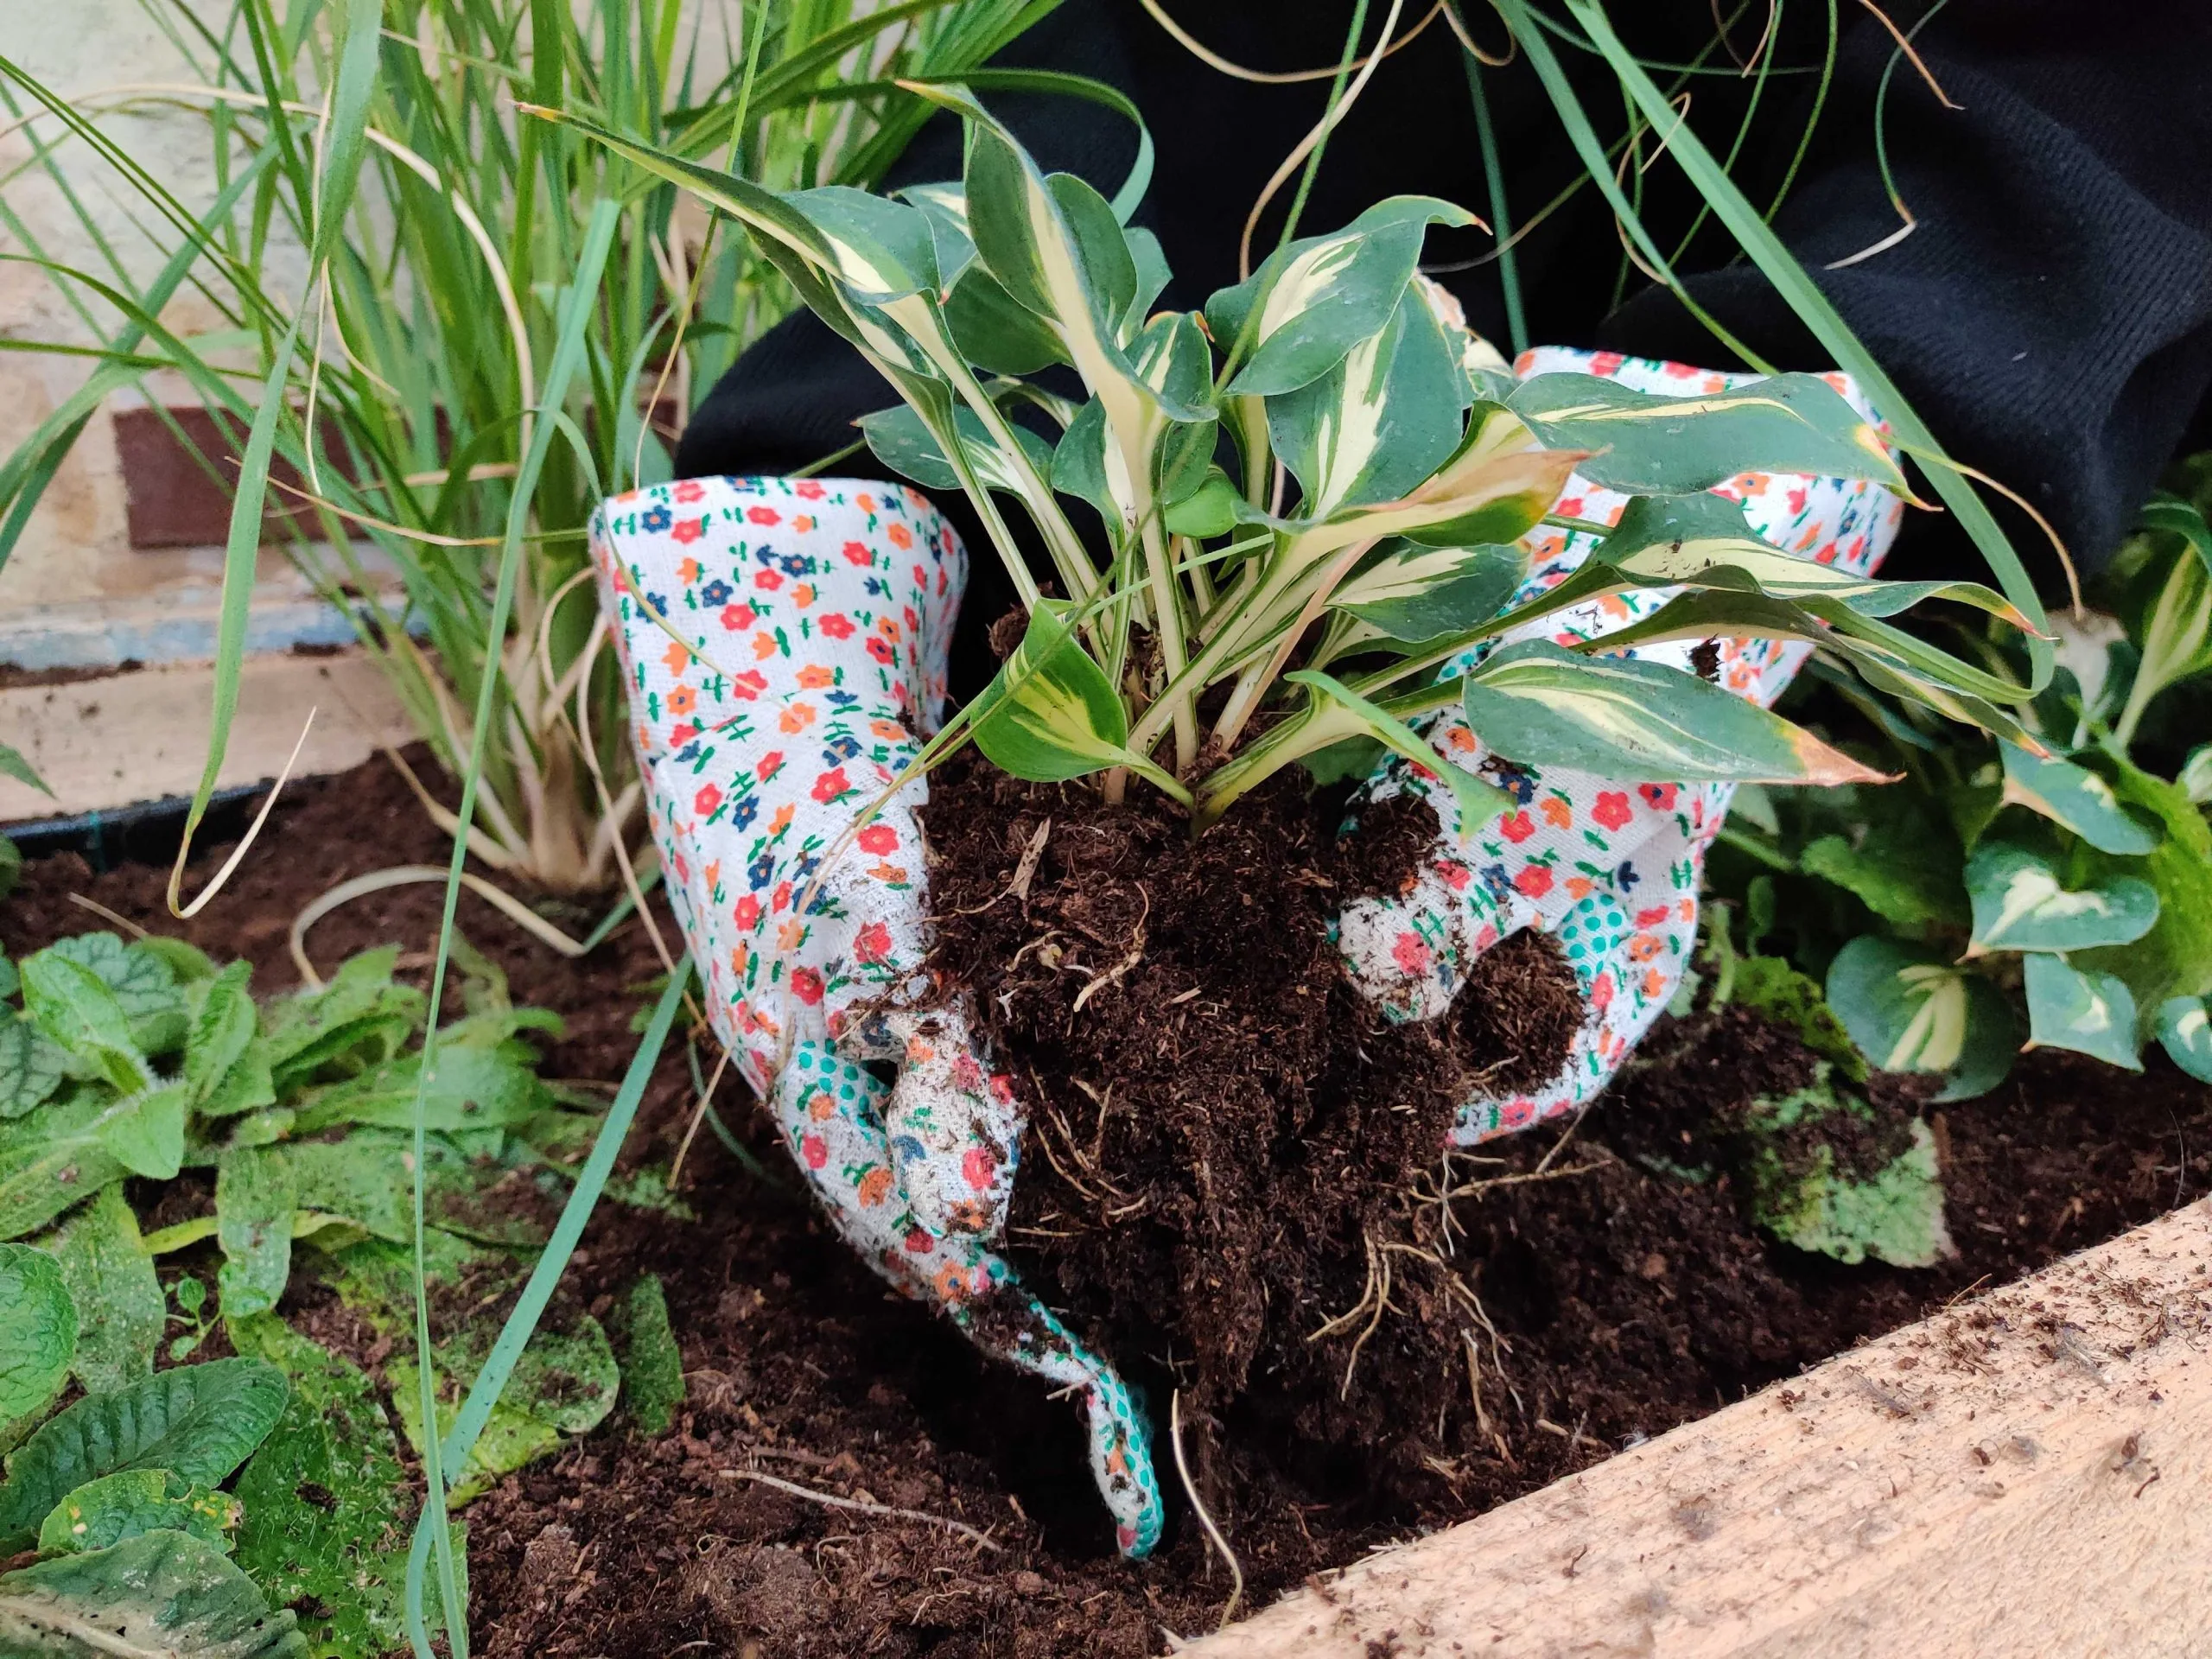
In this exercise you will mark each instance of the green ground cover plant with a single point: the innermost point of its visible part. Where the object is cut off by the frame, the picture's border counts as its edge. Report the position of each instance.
(141, 1059)
(1996, 895)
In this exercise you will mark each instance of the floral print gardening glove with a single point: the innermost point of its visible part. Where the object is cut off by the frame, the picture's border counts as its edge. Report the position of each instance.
(1609, 866)
(784, 642)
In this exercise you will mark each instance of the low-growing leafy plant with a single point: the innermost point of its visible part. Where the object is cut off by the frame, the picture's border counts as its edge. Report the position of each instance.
(1996, 893)
(1311, 494)
(144, 1058)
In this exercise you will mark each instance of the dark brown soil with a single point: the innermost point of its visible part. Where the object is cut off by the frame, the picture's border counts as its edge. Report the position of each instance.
(1624, 1303)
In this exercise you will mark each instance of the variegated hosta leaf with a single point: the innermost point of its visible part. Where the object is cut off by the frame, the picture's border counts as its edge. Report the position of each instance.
(879, 249)
(946, 206)
(1322, 295)
(2074, 796)
(1413, 594)
(1681, 537)
(1087, 464)
(900, 438)
(1153, 273)
(1670, 445)
(1909, 1010)
(991, 331)
(2020, 904)
(1638, 721)
(1378, 423)
(2185, 1030)
(1933, 677)
(2092, 1013)
(1478, 802)
(1050, 713)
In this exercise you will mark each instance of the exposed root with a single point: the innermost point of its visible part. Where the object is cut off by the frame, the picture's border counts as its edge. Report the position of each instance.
(1197, 1507)
(863, 1505)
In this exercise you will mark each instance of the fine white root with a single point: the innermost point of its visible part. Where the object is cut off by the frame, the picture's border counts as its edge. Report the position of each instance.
(1197, 1507)
(862, 1505)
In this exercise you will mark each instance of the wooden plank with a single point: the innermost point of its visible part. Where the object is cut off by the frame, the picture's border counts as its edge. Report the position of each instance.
(109, 740)
(2029, 1474)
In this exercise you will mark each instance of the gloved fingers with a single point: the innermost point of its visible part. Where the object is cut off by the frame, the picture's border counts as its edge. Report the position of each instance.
(1628, 959)
(831, 1114)
(1410, 952)
(953, 1128)
(777, 591)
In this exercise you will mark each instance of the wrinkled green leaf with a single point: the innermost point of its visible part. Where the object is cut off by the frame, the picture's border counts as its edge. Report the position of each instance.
(144, 1132)
(653, 1368)
(2185, 1033)
(165, 1595)
(220, 1031)
(2020, 904)
(1637, 722)
(360, 1019)
(38, 1330)
(188, 963)
(253, 1217)
(1650, 444)
(110, 1276)
(197, 1421)
(2075, 797)
(2092, 1013)
(472, 1088)
(365, 1177)
(116, 1508)
(1801, 1193)
(2175, 958)
(327, 1502)
(51, 1159)
(1907, 869)
(31, 1067)
(75, 1007)
(1909, 1010)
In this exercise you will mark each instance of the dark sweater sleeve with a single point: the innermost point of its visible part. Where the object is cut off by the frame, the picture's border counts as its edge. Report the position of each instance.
(2050, 316)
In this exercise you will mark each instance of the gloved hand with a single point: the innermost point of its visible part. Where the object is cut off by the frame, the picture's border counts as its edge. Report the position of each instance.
(1609, 866)
(784, 642)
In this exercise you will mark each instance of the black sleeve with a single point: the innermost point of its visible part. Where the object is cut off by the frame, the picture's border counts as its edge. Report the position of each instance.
(2050, 316)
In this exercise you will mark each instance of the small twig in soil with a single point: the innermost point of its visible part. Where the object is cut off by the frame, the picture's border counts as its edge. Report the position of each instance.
(865, 1507)
(698, 1117)
(1190, 1491)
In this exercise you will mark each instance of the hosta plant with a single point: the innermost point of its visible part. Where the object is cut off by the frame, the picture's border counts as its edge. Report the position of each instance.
(1309, 496)
(1996, 894)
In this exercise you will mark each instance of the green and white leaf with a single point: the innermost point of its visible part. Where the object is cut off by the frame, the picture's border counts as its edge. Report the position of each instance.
(1621, 718)
(1049, 713)
(2073, 795)
(2185, 1033)
(38, 1330)
(900, 438)
(1894, 1214)
(1323, 295)
(1643, 443)
(197, 1421)
(2090, 1013)
(143, 980)
(2020, 904)
(110, 1273)
(1909, 1010)
(1478, 802)
(1686, 539)
(119, 1507)
(166, 1595)
(1373, 427)
(1414, 594)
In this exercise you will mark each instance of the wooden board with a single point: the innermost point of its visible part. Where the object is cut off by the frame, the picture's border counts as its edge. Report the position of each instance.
(108, 740)
(2024, 1476)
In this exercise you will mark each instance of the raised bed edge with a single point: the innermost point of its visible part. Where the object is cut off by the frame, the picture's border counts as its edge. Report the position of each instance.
(2026, 1473)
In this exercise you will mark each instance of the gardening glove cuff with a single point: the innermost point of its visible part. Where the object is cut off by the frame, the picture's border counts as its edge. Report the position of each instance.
(1608, 866)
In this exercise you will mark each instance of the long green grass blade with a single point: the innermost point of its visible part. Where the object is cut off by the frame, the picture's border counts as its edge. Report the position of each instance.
(349, 120)
(591, 1182)
(1819, 314)
(568, 353)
